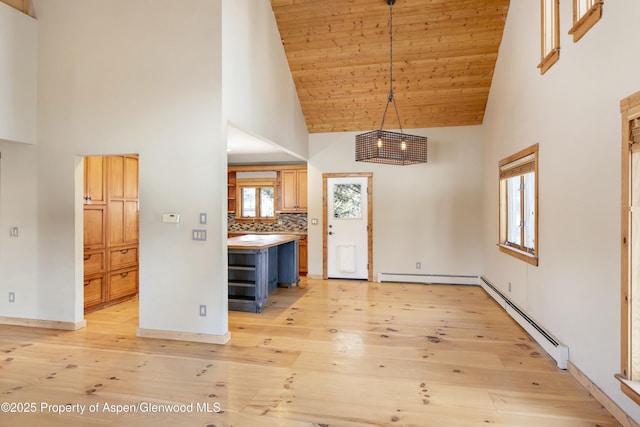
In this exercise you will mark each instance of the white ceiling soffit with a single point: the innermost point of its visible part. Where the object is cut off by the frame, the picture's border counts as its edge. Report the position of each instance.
(243, 148)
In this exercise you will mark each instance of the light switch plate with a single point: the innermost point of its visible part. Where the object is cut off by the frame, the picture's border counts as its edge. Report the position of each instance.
(13, 232)
(203, 218)
(200, 235)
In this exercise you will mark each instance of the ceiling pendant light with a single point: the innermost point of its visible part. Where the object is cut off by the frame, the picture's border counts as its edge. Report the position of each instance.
(392, 148)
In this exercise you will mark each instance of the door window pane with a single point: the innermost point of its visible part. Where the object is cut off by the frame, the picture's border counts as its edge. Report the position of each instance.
(347, 201)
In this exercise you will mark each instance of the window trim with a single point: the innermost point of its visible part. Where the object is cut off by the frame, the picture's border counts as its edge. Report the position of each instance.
(255, 183)
(583, 23)
(630, 386)
(552, 55)
(530, 257)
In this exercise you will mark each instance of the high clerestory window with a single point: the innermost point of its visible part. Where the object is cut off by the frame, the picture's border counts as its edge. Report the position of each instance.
(585, 15)
(549, 34)
(518, 222)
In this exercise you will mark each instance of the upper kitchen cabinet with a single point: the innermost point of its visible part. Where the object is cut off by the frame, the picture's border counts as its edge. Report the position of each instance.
(294, 190)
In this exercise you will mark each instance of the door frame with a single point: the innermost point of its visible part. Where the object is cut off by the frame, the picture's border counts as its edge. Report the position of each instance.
(325, 231)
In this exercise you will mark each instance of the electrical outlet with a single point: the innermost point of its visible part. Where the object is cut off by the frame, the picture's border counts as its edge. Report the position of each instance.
(418, 265)
(203, 311)
(13, 232)
(12, 297)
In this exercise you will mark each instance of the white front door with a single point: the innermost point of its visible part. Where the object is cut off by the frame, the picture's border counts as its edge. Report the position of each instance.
(347, 228)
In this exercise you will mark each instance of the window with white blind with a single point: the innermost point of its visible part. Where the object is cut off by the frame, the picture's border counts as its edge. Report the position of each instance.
(549, 34)
(630, 249)
(518, 222)
(585, 15)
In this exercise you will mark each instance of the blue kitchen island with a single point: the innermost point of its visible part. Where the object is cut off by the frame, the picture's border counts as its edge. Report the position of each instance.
(258, 263)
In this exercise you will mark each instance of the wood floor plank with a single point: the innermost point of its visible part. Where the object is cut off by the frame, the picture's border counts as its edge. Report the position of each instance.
(332, 353)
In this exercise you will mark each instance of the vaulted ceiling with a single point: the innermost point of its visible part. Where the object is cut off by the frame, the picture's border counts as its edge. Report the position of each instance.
(444, 54)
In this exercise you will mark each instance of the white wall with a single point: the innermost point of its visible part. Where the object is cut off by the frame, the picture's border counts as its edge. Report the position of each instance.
(573, 113)
(258, 92)
(431, 213)
(18, 208)
(18, 68)
(146, 77)
(142, 77)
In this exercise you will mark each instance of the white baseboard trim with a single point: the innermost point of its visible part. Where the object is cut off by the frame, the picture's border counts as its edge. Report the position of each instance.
(184, 336)
(435, 279)
(617, 412)
(558, 351)
(44, 324)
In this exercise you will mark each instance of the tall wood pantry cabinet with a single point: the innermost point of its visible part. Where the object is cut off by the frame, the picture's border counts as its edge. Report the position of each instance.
(110, 230)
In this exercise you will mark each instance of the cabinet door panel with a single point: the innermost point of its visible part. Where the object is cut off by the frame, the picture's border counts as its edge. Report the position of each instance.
(116, 222)
(123, 283)
(94, 262)
(93, 291)
(123, 257)
(289, 190)
(94, 222)
(130, 222)
(116, 177)
(302, 190)
(94, 179)
(130, 177)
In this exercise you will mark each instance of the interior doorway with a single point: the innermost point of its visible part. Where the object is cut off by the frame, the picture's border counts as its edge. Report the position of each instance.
(347, 218)
(110, 228)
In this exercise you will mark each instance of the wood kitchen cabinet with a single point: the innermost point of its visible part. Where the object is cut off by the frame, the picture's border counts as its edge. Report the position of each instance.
(110, 230)
(123, 200)
(95, 173)
(231, 192)
(293, 187)
(94, 227)
(303, 255)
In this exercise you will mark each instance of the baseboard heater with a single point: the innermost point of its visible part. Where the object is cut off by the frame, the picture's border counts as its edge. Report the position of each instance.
(558, 351)
(435, 279)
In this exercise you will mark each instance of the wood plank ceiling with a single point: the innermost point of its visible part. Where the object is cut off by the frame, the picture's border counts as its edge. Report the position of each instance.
(444, 53)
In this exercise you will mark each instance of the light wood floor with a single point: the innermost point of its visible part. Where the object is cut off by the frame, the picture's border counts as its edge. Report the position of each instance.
(332, 353)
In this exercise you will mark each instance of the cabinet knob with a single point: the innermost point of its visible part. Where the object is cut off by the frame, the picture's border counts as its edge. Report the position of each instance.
(86, 283)
(125, 274)
(124, 251)
(87, 257)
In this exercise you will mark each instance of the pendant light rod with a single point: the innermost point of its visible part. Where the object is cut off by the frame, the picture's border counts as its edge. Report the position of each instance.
(391, 98)
(386, 147)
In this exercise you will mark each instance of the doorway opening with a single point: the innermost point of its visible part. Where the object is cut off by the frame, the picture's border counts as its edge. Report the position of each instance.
(110, 228)
(347, 239)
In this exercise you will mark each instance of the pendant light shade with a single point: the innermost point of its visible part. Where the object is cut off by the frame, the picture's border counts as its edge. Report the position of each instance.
(392, 148)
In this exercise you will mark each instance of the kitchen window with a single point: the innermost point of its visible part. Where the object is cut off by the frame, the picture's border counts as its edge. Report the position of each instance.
(518, 221)
(256, 200)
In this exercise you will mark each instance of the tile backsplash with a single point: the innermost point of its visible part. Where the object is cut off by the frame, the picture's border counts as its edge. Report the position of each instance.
(287, 223)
